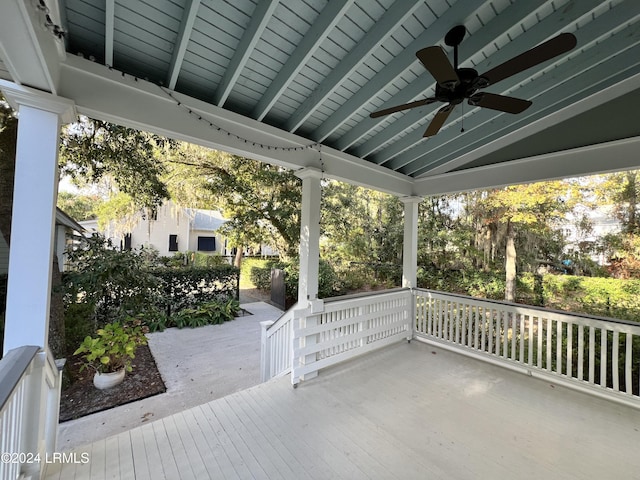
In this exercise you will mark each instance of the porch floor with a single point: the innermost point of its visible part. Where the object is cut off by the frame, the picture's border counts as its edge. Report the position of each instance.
(409, 411)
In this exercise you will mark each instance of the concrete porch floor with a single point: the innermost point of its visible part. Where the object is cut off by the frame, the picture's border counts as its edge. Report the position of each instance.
(409, 411)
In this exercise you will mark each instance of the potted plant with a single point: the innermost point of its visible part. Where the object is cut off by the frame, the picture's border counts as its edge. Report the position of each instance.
(110, 352)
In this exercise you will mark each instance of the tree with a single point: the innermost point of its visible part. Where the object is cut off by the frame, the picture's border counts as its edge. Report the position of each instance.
(118, 215)
(261, 201)
(92, 149)
(361, 225)
(79, 207)
(536, 207)
(622, 191)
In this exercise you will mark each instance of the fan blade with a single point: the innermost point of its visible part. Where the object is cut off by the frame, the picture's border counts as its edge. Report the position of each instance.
(399, 108)
(501, 103)
(543, 52)
(436, 62)
(437, 121)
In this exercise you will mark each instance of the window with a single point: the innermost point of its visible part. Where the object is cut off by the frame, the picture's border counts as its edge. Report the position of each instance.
(127, 241)
(173, 243)
(206, 244)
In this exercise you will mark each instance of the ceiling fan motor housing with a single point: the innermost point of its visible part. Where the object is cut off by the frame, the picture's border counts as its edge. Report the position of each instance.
(466, 87)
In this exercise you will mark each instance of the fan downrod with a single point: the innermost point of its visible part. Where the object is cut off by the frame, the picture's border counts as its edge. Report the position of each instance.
(453, 38)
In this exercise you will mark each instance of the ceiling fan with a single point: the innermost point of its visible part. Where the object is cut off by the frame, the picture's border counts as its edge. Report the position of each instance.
(454, 85)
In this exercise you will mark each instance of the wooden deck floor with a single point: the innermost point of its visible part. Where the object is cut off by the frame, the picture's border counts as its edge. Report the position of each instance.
(409, 411)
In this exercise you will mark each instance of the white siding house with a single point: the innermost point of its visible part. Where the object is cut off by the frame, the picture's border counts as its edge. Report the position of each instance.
(66, 229)
(170, 229)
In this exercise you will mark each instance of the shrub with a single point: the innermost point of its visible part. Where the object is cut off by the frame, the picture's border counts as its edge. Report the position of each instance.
(78, 324)
(208, 313)
(261, 277)
(110, 285)
(187, 287)
(113, 347)
(112, 282)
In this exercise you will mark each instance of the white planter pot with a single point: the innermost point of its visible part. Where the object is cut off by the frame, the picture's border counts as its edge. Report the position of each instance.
(103, 381)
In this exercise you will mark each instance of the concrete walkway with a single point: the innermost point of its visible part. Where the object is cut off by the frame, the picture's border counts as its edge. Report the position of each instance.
(197, 366)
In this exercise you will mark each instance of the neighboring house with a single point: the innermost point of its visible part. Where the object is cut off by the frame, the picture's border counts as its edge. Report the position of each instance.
(67, 230)
(602, 222)
(170, 229)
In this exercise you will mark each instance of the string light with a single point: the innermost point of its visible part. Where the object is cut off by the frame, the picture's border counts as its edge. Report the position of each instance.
(57, 30)
(213, 126)
(263, 146)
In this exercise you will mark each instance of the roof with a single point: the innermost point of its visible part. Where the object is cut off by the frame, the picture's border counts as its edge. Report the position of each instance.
(64, 219)
(208, 220)
(294, 82)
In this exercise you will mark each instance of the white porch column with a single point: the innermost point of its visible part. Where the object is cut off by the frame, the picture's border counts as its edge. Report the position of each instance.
(308, 302)
(410, 242)
(309, 235)
(33, 217)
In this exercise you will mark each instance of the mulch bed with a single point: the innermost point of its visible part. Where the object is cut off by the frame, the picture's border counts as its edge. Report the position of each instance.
(82, 398)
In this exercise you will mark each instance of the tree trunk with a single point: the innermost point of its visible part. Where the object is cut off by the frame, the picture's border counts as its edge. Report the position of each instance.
(633, 202)
(486, 250)
(56, 313)
(237, 261)
(510, 265)
(8, 138)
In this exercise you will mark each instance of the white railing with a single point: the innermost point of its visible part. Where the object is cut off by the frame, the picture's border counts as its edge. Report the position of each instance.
(29, 407)
(349, 326)
(276, 346)
(598, 355)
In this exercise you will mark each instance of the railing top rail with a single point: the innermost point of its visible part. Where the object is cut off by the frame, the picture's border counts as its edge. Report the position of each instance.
(532, 307)
(12, 367)
(354, 296)
(283, 318)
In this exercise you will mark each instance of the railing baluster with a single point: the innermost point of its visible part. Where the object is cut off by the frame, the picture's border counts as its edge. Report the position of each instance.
(521, 337)
(476, 327)
(569, 349)
(540, 334)
(459, 328)
(592, 354)
(468, 309)
(549, 344)
(628, 369)
(530, 353)
(559, 346)
(448, 324)
(603, 357)
(505, 334)
(490, 333)
(615, 360)
(483, 324)
(513, 327)
(580, 352)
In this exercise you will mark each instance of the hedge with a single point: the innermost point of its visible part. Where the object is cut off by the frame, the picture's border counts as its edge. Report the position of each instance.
(186, 287)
